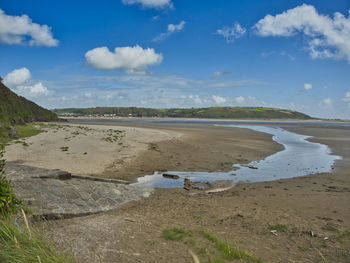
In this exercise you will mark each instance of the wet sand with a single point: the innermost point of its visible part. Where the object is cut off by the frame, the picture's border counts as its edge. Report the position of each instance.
(314, 210)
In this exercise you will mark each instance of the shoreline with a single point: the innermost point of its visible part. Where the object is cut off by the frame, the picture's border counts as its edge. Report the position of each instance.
(244, 215)
(203, 119)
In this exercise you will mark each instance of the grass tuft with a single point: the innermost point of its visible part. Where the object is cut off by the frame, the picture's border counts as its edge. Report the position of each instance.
(176, 234)
(279, 227)
(209, 247)
(19, 243)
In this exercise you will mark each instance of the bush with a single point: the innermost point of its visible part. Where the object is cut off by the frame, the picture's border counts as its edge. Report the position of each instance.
(8, 200)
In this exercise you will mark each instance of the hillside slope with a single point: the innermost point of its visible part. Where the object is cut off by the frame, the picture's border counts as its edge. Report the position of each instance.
(15, 109)
(211, 112)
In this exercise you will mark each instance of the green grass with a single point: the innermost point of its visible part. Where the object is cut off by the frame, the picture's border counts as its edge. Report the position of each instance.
(24, 131)
(64, 148)
(208, 247)
(19, 244)
(28, 130)
(343, 233)
(301, 248)
(176, 233)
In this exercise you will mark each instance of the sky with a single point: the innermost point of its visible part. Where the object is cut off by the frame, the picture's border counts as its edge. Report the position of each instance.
(179, 53)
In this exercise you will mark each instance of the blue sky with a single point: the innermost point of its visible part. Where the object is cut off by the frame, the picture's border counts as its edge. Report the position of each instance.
(177, 53)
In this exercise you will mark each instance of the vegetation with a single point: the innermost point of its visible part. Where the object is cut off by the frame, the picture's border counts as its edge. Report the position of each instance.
(24, 244)
(64, 148)
(209, 248)
(18, 110)
(212, 112)
(15, 111)
(176, 233)
(23, 131)
(18, 242)
(8, 200)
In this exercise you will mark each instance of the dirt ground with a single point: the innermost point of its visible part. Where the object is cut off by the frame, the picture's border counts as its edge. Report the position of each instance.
(305, 219)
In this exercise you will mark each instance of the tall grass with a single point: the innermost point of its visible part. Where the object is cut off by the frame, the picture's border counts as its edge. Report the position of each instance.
(19, 243)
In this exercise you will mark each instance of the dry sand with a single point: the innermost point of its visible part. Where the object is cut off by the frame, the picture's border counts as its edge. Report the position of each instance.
(89, 149)
(314, 209)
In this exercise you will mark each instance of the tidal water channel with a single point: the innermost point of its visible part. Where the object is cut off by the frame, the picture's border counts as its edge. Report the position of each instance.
(299, 157)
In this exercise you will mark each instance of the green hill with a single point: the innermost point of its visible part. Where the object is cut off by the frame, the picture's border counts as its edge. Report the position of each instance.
(15, 109)
(211, 112)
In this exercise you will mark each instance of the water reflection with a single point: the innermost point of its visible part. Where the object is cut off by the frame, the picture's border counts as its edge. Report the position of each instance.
(298, 158)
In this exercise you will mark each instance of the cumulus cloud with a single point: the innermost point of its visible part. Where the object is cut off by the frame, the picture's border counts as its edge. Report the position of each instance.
(327, 37)
(123, 58)
(171, 30)
(17, 29)
(157, 4)
(240, 99)
(218, 99)
(347, 98)
(35, 90)
(231, 33)
(19, 80)
(17, 77)
(307, 86)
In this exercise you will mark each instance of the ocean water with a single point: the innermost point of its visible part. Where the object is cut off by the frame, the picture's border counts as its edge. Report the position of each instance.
(299, 157)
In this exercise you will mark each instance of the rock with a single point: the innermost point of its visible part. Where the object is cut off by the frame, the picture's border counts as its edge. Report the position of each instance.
(171, 176)
(13, 133)
(64, 175)
(187, 184)
(50, 198)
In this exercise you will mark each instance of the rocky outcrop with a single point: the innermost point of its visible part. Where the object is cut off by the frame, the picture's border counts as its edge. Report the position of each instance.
(54, 194)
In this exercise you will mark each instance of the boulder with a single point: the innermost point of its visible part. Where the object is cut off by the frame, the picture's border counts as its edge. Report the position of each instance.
(13, 133)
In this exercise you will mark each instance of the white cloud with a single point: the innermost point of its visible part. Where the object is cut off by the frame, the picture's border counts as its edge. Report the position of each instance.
(328, 37)
(218, 99)
(123, 58)
(231, 33)
(307, 86)
(157, 4)
(16, 30)
(327, 103)
(347, 98)
(19, 80)
(240, 99)
(218, 74)
(17, 77)
(171, 30)
(35, 90)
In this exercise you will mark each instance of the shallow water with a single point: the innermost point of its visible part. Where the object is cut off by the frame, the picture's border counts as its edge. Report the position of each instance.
(298, 158)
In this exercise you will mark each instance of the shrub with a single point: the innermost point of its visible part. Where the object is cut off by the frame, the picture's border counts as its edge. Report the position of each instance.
(8, 200)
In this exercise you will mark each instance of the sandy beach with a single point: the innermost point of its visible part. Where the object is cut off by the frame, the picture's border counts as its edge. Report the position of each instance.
(305, 219)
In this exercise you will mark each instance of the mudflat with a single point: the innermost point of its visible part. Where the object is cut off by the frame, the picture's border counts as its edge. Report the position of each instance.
(305, 219)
